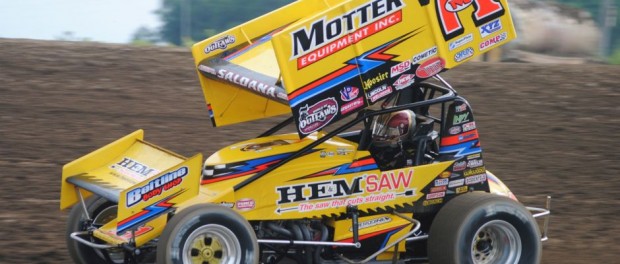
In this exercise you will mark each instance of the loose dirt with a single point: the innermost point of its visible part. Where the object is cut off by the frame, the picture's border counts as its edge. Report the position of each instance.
(546, 130)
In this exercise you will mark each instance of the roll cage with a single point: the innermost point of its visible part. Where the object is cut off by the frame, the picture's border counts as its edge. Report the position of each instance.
(418, 97)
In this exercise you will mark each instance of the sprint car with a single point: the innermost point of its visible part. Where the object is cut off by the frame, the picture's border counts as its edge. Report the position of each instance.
(385, 164)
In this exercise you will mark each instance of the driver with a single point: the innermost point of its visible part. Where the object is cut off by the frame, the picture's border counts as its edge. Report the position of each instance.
(389, 132)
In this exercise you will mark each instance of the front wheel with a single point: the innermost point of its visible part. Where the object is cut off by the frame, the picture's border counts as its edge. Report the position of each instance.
(207, 233)
(483, 228)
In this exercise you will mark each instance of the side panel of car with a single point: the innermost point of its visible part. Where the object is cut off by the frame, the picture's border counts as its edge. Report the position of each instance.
(328, 192)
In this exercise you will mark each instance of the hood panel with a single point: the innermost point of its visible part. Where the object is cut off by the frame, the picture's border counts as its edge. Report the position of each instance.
(252, 156)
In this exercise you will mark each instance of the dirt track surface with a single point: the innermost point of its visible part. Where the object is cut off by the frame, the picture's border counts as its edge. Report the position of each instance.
(546, 130)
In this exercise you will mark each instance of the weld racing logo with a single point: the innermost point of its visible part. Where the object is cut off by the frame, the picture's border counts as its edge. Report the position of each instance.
(326, 37)
(156, 187)
(221, 43)
(318, 115)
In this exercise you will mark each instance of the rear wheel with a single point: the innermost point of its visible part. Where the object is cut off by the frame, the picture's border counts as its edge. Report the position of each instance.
(207, 234)
(101, 211)
(483, 228)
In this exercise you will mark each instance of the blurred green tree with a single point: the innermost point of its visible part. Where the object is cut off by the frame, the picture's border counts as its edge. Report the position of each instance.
(185, 21)
(145, 36)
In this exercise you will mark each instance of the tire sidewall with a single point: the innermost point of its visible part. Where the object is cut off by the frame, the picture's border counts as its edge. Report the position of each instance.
(181, 226)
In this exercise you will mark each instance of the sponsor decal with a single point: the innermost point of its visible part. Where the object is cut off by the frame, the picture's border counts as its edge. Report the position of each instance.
(449, 16)
(469, 126)
(258, 147)
(343, 151)
(459, 165)
(207, 69)
(473, 156)
(380, 92)
(342, 188)
(435, 195)
(370, 82)
(227, 204)
(475, 163)
(400, 68)
(130, 167)
(432, 202)
(315, 117)
(156, 186)
(493, 41)
(461, 189)
(459, 119)
(422, 56)
(246, 204)
(455, 6)
(441, 182)
(247, 82)
(352, 106)
(445, 174)
(438, 189)
(461, 108)
(467, 136)
(129, 235)
(476, 179)
(430, 67)
(456, 183)
(404, 81)
(140, 231)
(461, 41)
(454, 130)
(325, 154)
(349, 93)
(490, 28)
(325, 37)
(373, 222)
(464, 54)
(222, 43)
(474, 171)
(450, 19)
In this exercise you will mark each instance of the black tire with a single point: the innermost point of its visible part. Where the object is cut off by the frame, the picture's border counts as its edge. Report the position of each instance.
(479, 227)
(98, 208)
(207, 232)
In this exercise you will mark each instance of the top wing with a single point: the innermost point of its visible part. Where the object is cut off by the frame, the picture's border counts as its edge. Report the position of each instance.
(324, 60)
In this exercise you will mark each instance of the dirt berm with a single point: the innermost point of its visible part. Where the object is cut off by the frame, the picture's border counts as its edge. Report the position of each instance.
(546, 130)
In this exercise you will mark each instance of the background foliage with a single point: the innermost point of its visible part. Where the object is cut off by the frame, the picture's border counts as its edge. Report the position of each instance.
(209, 17)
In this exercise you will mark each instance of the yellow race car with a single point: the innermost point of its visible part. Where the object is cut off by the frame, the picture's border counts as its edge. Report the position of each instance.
(384, 166)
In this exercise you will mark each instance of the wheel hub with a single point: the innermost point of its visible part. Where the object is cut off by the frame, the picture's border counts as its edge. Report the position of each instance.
(212, 244)
(207, 253)
(496, 242)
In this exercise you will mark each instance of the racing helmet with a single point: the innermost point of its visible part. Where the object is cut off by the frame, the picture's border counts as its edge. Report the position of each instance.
(393, 127)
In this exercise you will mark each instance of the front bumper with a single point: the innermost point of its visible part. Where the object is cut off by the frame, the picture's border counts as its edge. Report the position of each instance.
(544, 214)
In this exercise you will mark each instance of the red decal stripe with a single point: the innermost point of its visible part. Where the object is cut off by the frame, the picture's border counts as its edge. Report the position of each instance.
(464, 137)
